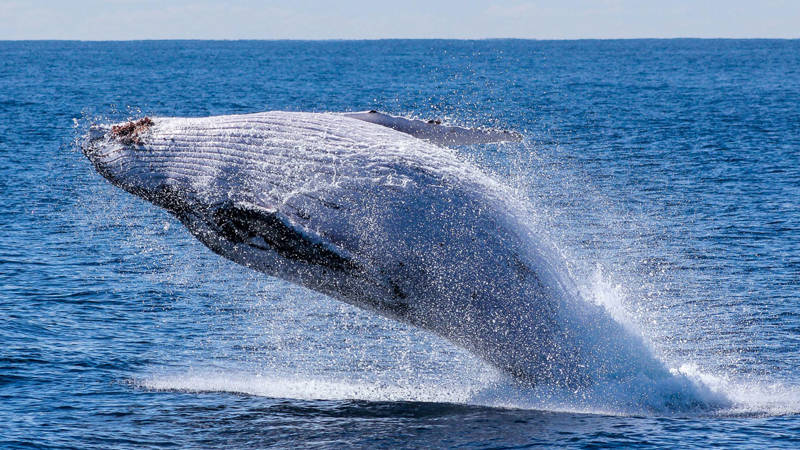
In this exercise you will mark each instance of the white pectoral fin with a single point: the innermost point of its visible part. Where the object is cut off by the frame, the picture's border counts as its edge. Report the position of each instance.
(436, 133)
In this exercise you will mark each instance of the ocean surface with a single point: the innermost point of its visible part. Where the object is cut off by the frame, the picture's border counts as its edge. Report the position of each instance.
(665, 172)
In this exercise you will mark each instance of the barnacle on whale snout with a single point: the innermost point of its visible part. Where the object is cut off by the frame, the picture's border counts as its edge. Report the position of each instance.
(130, 133)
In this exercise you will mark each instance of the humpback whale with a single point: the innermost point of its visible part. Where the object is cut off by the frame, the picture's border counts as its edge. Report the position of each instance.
(376, 211)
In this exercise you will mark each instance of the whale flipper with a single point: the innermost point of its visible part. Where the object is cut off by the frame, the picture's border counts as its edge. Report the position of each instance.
(266, 229)
(433, 131)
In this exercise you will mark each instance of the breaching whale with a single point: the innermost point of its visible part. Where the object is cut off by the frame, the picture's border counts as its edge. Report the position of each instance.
(375, 211)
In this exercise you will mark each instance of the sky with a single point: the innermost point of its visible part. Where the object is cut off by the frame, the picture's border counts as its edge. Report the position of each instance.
(346, 19)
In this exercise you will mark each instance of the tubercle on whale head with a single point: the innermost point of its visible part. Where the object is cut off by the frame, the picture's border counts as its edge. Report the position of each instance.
(130, 132)
(126, 133)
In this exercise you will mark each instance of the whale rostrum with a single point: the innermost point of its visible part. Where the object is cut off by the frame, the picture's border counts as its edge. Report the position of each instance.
(375, 211)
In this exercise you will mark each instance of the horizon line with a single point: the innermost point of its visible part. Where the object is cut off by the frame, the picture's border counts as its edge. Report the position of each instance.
(410, 39)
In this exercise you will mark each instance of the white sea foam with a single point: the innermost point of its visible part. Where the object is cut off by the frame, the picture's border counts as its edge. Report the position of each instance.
(305, 388)
(735, 398)
(751, 396)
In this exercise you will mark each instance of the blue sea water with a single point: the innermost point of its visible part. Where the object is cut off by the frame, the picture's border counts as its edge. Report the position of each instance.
(666, 172)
